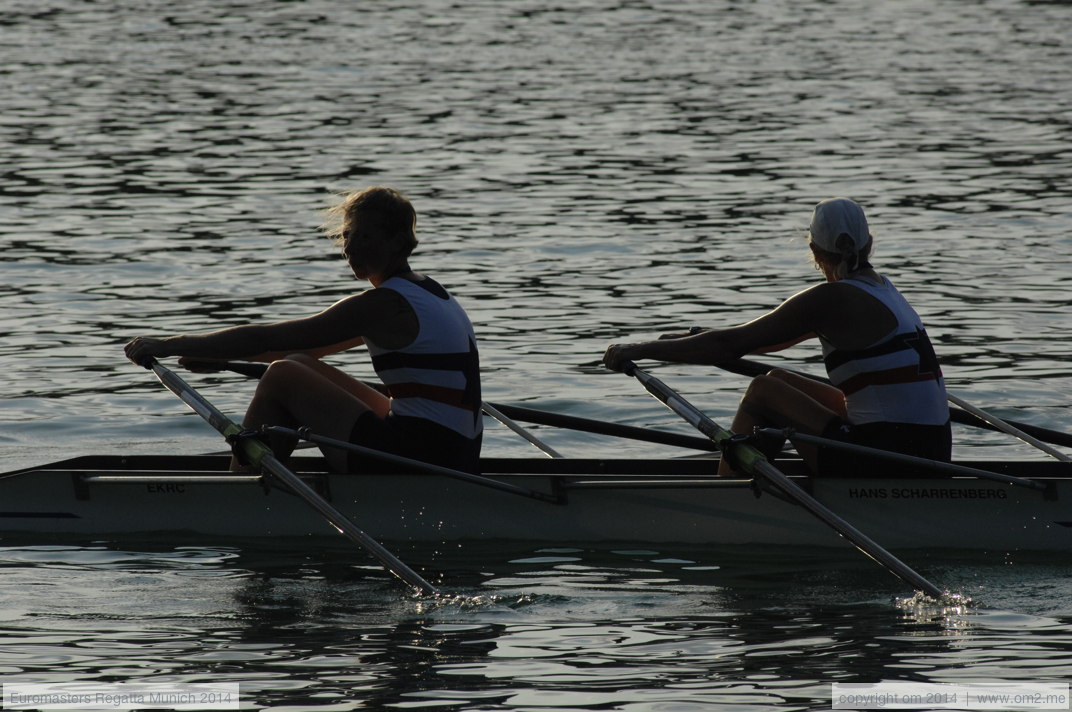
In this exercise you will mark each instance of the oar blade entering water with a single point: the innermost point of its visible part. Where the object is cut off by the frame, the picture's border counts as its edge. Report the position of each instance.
(262, 457)
(753, 462)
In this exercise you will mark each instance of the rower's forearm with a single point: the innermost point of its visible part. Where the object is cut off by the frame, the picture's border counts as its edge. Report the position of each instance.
(705, 348)
(263, 343)
(245, 342)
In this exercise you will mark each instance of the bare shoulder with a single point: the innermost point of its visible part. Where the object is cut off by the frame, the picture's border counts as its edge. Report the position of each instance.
(817, 299)
(373, 303)
(382, 316)
(836, 295)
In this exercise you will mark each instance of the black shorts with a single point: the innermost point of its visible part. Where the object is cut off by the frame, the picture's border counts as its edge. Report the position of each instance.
(933, 442)
(415, 438)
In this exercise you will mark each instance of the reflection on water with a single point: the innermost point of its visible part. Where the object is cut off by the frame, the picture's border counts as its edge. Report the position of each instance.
(584, 628)
(584, 172)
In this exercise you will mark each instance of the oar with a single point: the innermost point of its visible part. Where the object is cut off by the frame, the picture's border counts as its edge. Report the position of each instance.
(966, 416)
(599, 427)
(261, 456)
(410, 463)
(948, 468)
(1007, 427)
(499, 416)
(528, 415)
(752, 461)
(256, 370)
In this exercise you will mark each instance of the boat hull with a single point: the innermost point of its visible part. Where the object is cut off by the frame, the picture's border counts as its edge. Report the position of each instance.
(664, 501)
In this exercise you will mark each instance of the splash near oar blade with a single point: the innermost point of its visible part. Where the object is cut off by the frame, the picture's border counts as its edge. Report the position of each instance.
(261, 457)
(747, 458)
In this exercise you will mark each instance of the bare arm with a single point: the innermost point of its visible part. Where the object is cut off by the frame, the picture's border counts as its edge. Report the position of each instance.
(382, 315)
(798, 318)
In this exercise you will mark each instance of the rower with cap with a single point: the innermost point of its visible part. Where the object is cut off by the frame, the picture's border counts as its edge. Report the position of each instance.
(888, 392)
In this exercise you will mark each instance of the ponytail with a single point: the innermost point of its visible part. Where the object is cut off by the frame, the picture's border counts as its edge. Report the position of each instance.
(847, 258)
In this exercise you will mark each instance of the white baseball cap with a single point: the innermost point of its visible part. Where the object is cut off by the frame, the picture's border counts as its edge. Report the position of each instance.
(835, 217)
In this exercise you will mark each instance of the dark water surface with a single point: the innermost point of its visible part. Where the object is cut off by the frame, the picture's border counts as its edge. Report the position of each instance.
(583, 172)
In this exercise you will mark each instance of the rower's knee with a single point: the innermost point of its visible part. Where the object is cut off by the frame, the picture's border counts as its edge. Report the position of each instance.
(765, 395)
(279, 374)
(761, 388)
(303, 359)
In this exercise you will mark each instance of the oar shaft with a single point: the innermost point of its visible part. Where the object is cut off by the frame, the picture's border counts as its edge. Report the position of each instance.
(223, 425)
(948, 468)
(259, 453)
(1007, 427)
(498, 415)
(747, 367)
(529, 415)
(860, 540)
(407, 462)
(599, 427)
(753, 461)
(390, 562)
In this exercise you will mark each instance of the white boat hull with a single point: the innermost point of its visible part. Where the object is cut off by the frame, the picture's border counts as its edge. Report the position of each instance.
(612, 501)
